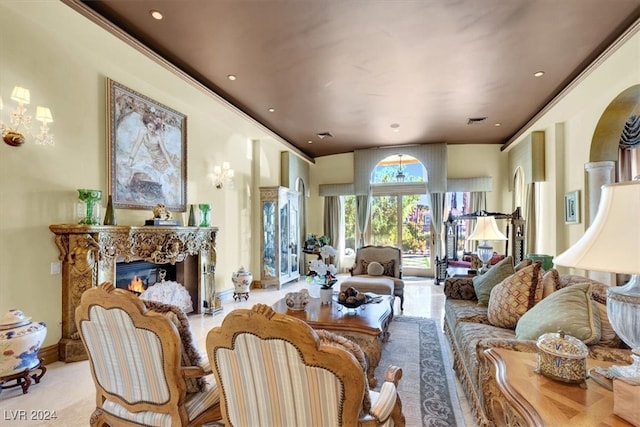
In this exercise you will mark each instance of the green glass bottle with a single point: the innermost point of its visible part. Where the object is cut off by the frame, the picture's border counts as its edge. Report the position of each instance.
(110, 215)
(192, 217)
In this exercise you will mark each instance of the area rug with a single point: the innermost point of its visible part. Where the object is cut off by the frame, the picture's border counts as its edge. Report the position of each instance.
(427, 387)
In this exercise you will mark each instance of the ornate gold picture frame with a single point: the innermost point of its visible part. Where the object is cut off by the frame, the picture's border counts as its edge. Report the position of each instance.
(146, 151)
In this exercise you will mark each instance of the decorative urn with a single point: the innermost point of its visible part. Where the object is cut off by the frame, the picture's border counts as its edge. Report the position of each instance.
(562, 357)
(20, 341)
(241, 280)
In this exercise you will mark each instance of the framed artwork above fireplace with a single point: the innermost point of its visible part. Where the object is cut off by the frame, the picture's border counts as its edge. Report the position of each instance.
(146, 151)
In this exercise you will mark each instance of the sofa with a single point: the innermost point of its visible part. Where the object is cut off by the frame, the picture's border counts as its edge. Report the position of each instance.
(472, 326)
(373, 263)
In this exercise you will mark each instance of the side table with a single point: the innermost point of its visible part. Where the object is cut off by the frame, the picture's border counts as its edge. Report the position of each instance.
(516, 395)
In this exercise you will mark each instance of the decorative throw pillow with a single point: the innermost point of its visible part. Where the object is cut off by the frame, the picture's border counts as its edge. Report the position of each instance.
(389, 268)
(190, 354)
(375, 269)
(522, 264)
(330, 338)
(550, 282)
(513, 297)
(570, 309)
(485, 282)
(608, 336)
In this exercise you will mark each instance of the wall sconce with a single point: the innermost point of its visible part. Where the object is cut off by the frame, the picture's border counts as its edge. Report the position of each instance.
(20, 120)
(222, 175)
(43, 114)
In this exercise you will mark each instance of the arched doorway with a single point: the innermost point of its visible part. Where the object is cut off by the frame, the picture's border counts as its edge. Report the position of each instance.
(400, 212)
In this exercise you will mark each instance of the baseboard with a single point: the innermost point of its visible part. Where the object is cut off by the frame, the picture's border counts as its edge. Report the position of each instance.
(49, 354)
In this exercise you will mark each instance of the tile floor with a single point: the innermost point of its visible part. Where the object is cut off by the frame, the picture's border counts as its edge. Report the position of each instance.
(65, 385)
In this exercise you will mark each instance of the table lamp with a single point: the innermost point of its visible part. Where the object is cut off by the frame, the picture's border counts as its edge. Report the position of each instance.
(612, 244)
(486, 229)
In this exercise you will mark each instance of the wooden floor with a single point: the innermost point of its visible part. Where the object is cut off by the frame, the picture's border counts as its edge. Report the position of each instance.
(67, 388)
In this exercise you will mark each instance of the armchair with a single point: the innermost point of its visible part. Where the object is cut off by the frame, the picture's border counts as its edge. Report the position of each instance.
(391, 259)
(139, 363)
(273, 369)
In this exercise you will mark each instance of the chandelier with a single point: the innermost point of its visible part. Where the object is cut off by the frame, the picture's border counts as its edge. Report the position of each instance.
(400, 174)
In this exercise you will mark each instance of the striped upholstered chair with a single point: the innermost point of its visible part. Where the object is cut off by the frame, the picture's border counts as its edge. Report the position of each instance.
(274, 370)
(143, 369)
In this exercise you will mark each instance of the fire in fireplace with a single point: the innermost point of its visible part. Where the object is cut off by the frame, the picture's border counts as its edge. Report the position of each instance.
(137, 276)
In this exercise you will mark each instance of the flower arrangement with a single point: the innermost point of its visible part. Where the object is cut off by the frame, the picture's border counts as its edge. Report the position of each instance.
(320, 271)
(313, 242)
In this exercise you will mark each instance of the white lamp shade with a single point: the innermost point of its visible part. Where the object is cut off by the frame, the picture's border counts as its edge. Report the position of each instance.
(43, 114)
(20, 94)
(612, 241)
(486, 229)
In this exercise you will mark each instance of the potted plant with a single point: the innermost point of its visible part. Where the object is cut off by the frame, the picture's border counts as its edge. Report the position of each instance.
(323, 273)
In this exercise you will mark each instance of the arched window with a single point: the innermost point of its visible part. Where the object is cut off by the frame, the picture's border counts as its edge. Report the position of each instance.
(398, 168)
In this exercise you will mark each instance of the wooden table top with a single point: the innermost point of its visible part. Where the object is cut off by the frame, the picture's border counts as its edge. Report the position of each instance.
(370, 320)
(550, 402)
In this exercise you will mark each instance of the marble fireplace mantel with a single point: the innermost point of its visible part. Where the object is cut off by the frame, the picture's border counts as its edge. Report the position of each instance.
(89, 254)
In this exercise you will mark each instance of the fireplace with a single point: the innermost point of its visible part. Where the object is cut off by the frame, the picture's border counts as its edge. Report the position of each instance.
(91, 255)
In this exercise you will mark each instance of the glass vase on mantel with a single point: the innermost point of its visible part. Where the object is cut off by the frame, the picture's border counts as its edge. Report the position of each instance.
(91, 200)
(205, 209)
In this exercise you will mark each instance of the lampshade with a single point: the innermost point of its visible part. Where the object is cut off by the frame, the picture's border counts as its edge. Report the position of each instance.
(43, 114)
(20, 94)
(486, 229)
(612, 241)
(612, 244)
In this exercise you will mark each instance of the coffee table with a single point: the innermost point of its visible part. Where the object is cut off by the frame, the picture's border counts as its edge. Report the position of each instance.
(368, 325)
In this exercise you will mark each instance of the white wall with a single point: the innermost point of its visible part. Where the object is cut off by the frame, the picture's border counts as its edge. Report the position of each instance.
(569, 129)
(64, 60)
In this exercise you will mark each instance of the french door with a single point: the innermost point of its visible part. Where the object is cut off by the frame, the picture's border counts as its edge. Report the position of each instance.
(404, 220)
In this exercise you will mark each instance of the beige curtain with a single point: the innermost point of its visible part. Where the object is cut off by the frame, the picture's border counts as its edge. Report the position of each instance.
(437, 219)
(478, 201)
(363, 209)
(332, 225)
(529, 214)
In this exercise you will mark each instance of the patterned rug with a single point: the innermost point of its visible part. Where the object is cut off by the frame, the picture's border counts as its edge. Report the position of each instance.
(427, 387)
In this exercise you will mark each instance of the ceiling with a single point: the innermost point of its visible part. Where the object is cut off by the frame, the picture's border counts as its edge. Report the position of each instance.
(367, 73)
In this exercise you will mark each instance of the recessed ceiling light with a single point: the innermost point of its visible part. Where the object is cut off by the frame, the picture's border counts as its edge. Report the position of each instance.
(309, 142)
(156, 14)
(395, 127)
(271, 110)
(538, 74)
(498, 124)
(231, 77)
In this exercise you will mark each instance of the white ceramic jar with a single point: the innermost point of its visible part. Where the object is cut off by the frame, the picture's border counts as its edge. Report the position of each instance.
(20, 341)
(242, 280)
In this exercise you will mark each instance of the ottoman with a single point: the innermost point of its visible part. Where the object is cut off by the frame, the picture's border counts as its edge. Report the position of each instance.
(378, 285)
